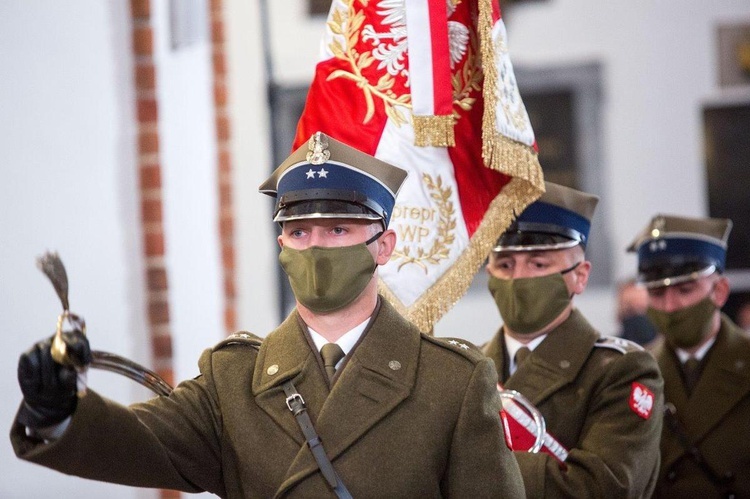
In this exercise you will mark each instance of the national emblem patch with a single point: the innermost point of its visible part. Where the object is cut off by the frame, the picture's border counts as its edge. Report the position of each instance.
(641, 400)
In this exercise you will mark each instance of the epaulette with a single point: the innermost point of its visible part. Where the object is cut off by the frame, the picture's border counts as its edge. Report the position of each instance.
(619, 344)
(240, 338)
(458, 345)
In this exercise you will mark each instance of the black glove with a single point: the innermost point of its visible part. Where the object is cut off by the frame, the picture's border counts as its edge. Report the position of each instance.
(49, 389)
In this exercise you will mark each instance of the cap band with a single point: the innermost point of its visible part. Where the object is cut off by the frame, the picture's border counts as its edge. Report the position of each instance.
(556, 219)
(679, 250)
(336, 182)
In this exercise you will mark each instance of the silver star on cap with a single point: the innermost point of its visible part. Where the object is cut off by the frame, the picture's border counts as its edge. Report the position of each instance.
(453, 342)
(655, 246)
(323, 173)
(310, 173)
(464, 346)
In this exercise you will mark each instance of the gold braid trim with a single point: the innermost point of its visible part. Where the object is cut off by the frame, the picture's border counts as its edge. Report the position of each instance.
(452, 285)
(500, 152)
(436, 131)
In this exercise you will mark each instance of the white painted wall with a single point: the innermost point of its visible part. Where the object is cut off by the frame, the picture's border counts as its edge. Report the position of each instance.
(67, 157)
(256, 249)
(190, 191)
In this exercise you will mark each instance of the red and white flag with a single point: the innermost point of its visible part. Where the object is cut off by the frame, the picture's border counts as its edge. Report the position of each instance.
(427, 85)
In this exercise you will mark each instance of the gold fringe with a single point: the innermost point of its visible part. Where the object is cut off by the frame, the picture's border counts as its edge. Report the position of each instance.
(434, 131)
(500, 152)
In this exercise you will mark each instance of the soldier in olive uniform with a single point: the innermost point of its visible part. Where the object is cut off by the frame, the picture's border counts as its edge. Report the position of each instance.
(399, 413)
(601, 397)
(704, 358)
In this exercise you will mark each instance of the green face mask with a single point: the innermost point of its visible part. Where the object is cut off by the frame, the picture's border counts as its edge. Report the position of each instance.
(328, 279)
(528, 305)
(685, 328)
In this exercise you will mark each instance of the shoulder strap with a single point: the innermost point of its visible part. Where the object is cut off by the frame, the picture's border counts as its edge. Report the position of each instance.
(296, 404)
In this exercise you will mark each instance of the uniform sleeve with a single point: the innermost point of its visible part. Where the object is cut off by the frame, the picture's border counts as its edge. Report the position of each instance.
(618, 455)
(480, 462)
(168, 442)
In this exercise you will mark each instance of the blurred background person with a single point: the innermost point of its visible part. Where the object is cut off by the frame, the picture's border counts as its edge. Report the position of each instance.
(704, 358)
(632, 304)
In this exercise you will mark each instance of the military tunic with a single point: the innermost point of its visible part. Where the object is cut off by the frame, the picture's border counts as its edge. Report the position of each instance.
(582, 385)
(408, 416)
(715, 418)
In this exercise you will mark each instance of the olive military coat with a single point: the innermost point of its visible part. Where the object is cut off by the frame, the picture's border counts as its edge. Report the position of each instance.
(408, 416)
(715, 418)
(582, 384)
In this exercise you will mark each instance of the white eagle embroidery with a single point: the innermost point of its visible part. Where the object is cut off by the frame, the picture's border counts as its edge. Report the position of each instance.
(643, 401)
(391, 53)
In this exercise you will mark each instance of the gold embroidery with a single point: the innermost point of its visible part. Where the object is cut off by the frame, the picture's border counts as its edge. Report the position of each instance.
(441, 246)
(349, 25)
(468, 79)
(430, 130)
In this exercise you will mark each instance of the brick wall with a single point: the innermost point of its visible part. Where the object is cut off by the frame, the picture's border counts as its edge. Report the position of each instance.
(224, 162)
(151, 194)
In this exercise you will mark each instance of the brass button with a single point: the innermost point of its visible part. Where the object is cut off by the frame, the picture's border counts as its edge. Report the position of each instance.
(564, 364)
(272, 370)
(394, 365)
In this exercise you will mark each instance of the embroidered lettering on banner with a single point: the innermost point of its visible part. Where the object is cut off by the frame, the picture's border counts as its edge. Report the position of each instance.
(415, 227)
(641, 400)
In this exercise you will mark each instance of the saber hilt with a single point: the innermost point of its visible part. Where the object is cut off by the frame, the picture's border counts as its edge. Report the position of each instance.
(51, 265)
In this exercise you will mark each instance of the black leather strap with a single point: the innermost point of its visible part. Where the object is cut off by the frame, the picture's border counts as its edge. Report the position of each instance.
(296, 404)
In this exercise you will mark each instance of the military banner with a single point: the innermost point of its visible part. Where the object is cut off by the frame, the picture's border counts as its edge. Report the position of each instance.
(427, 85)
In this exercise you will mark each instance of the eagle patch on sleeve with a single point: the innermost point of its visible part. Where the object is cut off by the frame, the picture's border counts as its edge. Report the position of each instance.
(641, 400)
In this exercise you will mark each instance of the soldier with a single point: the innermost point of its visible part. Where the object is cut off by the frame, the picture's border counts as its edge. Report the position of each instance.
(399, 413)
(704, 358)
(601, 397)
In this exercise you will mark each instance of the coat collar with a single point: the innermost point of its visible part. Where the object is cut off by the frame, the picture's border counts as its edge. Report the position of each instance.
(557, 360)
(725, 381)
(379, 375)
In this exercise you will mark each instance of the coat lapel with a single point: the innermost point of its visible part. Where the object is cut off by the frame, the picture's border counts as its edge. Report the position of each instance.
(724, 381)
(495, 350)
(379, 376)
(285, 355)
(674, 393)
(557, 360)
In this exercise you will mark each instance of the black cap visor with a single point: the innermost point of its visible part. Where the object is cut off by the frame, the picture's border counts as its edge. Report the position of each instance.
(669, 273)
(324, 208)
(533, 241)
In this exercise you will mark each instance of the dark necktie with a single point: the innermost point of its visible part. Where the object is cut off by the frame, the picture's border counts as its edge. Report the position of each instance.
(521, 356)
(691, 371)
(332, 354)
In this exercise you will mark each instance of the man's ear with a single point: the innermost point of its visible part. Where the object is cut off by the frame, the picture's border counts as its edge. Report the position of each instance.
(280, 241)
(582, 273)
(721, 291)
(386, 246)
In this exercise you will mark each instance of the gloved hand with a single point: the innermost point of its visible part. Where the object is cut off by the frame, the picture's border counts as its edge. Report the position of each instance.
(49, 389)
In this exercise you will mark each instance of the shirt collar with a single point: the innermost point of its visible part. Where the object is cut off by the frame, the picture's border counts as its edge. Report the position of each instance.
(512, 345)
(347, 340)
(699, 354)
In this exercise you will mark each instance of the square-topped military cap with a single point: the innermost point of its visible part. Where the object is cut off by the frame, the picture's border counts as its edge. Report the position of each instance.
(326, 178)
(674, 249)
(559, 219)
